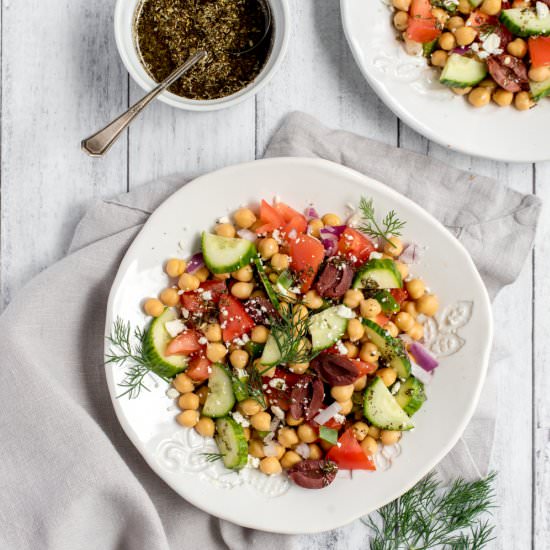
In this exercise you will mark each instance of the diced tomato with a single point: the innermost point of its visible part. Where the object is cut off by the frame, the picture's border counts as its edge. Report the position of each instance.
(234, 319)
(286, 212)
(423, 26)
(185, 343)
(479, 19)
(382, 319)
(193, 303)
(306, 254)
(355, 246)
(539, 50)
(198, 369)
(399, 294)
(216, 289)
(349, 455)
(297, 224)
(271, 219)
(364, 368)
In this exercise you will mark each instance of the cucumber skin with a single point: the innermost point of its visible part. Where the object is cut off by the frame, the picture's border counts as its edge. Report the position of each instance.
(341, 330)
(428, 48)
(157, 363)
(411, 396)
(231, 400)
(540, 89)
(461, 84)
(368, 412)
(270, 291)
(520, 30)
(244, 260)
(387, 301)
(372, 265)
(241, 451)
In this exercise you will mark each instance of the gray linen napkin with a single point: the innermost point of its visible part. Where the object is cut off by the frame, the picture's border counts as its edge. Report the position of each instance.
(69, 477)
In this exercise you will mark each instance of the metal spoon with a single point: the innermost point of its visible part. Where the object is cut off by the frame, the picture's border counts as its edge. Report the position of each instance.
(99, 143)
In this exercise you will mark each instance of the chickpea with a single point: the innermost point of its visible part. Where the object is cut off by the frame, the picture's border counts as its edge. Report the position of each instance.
(523, 101)
(300, 313)
(280, 450)
(352, 350)
(401, 4)
(325, 445)
(454, 22)
(315, 452)
(410, 308)
(245, 274)
(416, 332)
(402, 268)
(392, 329)
(222, 276)
(169, 297)
(394, 247)
(215, 351)
(342, 393)
(488, 83)
(352, 298)
(521, 4)
(202, 274)
(270, 465)
(259, 334)
(369, 446)
(462, 91)
(427, 305)
(287, 437)
(306, 433)
(312, 299)
(225, 230)
(247, 433)
(273, 277)
(440, 15)
(491, 7)
(268, 247)
(517, 48)
(315, 227)
(175, 267)
(261, 421)
(239, 358)
(244, 217)
(401, 20)
(404, 321)
(256, 448)
(188, 401)
(346, 406)
(188, 282)
(447, 41)
(388, 376)
(153, 307)
(503, 98)
(183, 383)
(291, 421)
(298, 368)
(370, 308)
(258, 294)
(415, 288)
(205, 427)
(188, 419)
(539, 74)
(355, 330)
(439, 58)
(242, 290)
(249, 407)
(479, 97)
(369, 353)
(279, 262)
(213, 332)
(360, 383)
(389, 437)
(290, 458)
(332, 219)
(360, 430)
(464, 7)
(465, 35)
(202, 392)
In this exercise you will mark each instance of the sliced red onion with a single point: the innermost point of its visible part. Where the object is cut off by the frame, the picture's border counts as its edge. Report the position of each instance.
(195, 263)
(330, 242)
(311, 213)
(412, 254)
(303, 450)
(422, 375)
(334, 229)
(326, 414)
(423, 357)
(247, 235)
(461, 50)
(271, 448)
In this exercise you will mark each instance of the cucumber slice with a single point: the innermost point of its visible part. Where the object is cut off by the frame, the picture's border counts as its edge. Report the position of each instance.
(525, 22)
(428, 48)
(387, 301)
(391, 349)
(220, 398)
(475, 3)
(410, 395)
(239, 386)
(540, 89)
(378, 274)
(382, 410)
(225, 254)
(232, 443)
(462, 72)
(271, 354)
(283, 284)
(254, 349)
(154, 346)
(270, 291)
(326, 328)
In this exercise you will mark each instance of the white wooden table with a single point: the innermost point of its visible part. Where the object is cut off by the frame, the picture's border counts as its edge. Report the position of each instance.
(62, 79)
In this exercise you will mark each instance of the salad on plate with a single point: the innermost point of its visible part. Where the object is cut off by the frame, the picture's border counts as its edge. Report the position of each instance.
(293, 339)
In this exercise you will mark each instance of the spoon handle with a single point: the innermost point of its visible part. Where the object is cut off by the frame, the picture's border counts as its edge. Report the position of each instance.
(99, 143)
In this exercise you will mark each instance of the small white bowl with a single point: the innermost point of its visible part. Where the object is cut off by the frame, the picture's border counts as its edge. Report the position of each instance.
(124, 35)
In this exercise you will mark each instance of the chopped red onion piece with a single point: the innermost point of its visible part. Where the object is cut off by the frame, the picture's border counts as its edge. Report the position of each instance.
(330, 242)
(412, 254)
(271, 448)
(334, 229)
(423, 357)
(326, 414)
(461, 50)
(418, 372)
(303, 450)
(311, 213)
(247, 235)
(195, 263)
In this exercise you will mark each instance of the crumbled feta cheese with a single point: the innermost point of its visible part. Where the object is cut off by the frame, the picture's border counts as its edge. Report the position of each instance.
(277, 383)
(395, 387)
(185, 313)
(278, 412)
(276, 234)
(180, 292)
(206, 295)
(172, 393)
(240, 419)
(223, 219)
(203, 341)
(253, 461)
(340, 418)
(542, 10)
(375, 256)
(341, 348)
(491, 43)
(173, 328)
(293, 234)
(345, 312)
(276, 199)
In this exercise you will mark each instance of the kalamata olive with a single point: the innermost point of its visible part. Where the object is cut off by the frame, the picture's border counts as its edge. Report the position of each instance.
(306, 397)
(508, 72)
(313, 474)
(336, 370)
(335, 279)
(260, 309)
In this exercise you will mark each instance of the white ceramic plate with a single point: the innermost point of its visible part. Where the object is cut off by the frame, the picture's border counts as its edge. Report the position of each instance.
(411, 90)
(463, 332)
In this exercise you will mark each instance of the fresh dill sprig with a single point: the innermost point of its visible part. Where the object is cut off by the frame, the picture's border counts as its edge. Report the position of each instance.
(427, 516)
(123, 353)
(254, 386)
(391, 225)
(212, 457)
